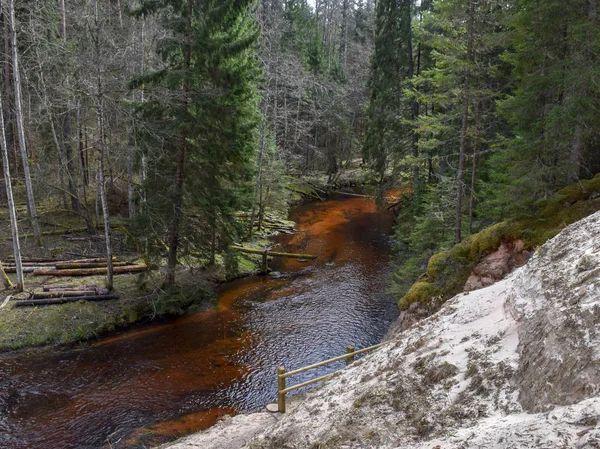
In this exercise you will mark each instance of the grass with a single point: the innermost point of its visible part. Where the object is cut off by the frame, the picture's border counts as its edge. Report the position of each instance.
(141, 296)
(448, 271)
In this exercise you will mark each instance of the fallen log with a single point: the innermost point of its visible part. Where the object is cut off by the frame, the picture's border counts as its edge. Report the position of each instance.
(55, 261)
(43, 302)
(68, 293)
(28, 269)
(274, 253)
(355, 194)
(69, 266)
(91, 271)
(48, 288)
(25, 260)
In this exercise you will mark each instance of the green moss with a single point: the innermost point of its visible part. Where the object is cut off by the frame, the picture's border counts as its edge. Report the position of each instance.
(448, 271)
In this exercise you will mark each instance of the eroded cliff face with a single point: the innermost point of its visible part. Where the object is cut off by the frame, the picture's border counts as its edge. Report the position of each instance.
(512, 365)
(557, 299)
(516, 364)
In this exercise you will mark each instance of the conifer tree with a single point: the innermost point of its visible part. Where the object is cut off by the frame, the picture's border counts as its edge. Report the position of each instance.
(556, 106)
(202, 111)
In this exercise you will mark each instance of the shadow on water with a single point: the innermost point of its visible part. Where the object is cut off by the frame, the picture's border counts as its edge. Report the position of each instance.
(157, 382)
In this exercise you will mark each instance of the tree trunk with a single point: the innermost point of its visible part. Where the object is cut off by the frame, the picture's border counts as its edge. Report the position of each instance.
(62, 26)
(130, 157)
(263, 129)
(101, 155)
(8, 122)
(474, 167)
(21, 126)
(414, 105)
(11, 206)
(180, 168)
(102, 188)
(463, 129)
(578, 145)
(82, 168)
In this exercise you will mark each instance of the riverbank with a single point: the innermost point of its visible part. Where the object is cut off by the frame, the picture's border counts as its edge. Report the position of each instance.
(142, 297)
(159, 381)
(514, 364)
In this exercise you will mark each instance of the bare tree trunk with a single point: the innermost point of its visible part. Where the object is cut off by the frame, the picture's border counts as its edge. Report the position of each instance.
(463, 129)
(7, 88)
(62, 26)
(21, 127)
(11, 206)
(101, 155)
(82, 168)
(103, 197)
(180, 168)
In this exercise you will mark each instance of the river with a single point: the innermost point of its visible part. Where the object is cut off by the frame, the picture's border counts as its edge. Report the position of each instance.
(156, 382)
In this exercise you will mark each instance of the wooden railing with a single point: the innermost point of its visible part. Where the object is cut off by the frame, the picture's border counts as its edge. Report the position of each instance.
(282, 374)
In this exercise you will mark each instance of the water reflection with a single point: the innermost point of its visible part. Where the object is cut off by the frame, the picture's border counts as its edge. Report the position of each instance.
(157, 382)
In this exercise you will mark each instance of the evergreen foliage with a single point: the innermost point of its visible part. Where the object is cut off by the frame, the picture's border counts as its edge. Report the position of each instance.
(200, 119)
(500, 114)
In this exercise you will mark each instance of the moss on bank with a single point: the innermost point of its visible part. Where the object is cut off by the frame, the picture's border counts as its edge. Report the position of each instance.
(84, 320)
(448, 271)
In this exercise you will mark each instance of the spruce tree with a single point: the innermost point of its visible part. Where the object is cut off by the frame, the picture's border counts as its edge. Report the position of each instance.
(200, 117)
(556, 105)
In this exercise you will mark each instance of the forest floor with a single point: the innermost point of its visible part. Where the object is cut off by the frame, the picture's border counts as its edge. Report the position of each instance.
(142, 297)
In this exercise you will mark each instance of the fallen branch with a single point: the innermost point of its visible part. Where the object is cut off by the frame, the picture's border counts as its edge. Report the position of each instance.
(5, 279)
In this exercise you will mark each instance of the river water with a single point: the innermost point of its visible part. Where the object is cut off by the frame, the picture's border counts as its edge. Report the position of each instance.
(157, 382)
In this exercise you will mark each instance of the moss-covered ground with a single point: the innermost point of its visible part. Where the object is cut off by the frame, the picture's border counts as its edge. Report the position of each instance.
(448, 271)
(142, 297)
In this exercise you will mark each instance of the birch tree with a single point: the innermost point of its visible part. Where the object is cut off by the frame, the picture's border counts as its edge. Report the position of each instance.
(31, 208)
(11, 207)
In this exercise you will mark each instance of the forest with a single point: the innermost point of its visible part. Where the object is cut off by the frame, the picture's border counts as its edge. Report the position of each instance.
(176, 116)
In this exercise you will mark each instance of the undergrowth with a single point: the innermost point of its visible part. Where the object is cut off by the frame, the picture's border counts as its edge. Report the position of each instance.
(447, 271)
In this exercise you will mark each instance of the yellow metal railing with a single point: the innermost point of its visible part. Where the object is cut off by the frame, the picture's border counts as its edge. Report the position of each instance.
(282, 374)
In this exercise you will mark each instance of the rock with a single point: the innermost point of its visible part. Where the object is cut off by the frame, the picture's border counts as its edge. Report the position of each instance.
(497, 265)
(558, 296)
(273, 408)
(512, 365)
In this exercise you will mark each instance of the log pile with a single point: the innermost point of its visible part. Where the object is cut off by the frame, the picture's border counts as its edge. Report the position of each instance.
(75, 267)
(60, 294)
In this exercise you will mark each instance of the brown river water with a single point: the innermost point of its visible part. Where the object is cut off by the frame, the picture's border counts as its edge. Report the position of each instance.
(156, 382)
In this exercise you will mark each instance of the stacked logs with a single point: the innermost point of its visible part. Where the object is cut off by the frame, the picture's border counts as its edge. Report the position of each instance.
(62, 293)
(76, 267)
